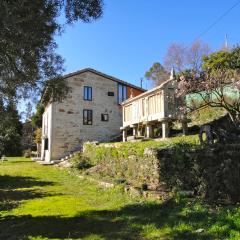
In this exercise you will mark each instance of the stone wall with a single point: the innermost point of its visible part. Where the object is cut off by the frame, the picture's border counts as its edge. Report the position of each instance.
(68, 129)
(117, 162)
(212, 172)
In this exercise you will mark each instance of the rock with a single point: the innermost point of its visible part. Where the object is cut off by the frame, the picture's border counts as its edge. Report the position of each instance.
(149, 151)
(120, 181)
(135, 192)
(94, 169)
(64, 164)
(3, 158)
(186, 193)
(106, 184)
(200, 230)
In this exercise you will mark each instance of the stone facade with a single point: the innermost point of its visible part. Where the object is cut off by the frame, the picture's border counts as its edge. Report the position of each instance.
(63, 121)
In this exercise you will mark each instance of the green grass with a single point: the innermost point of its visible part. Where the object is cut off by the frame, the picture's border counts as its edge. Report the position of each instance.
(96, 153)
(206, 115)
(42, 202)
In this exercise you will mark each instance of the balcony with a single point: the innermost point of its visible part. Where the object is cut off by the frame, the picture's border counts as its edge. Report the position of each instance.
(154, 107)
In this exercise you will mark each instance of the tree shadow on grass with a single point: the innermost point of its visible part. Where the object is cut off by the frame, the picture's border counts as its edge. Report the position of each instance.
(14, 189)
(19, 161)
(125, 223)
(10, 199)
(13, 182)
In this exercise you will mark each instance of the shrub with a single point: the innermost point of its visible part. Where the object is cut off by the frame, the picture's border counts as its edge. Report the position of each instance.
(211, 172)
(178, 168)
(80, 162)
(27, 153)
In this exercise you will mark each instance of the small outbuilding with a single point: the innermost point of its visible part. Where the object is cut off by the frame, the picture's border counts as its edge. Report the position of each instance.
(155, 107)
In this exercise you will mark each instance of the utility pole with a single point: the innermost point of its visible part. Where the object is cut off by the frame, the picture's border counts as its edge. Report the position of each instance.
(141, 82)
(226, 42)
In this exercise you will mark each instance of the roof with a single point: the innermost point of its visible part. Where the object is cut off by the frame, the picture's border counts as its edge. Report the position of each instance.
(100, 74)
(161, 86)
(103, 75)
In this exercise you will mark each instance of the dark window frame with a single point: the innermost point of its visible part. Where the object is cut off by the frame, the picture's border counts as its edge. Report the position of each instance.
(103, 119)
(89, 120)
(88, 95)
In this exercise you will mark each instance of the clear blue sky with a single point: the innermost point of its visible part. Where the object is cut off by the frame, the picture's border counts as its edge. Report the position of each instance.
(132, 34)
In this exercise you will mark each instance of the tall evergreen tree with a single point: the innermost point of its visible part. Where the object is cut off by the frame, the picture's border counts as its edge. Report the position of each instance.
(10, 129)
(28, 55)
(157, 74)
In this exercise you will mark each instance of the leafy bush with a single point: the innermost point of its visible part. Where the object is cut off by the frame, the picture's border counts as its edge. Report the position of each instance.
(177, 167)
(220, 172)
(80, 162)
(211, 172)
(27, 153)
(38, 135)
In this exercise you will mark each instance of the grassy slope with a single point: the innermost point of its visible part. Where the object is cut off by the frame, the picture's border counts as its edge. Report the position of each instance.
(42, 202)
(205, 115)
(138, 148)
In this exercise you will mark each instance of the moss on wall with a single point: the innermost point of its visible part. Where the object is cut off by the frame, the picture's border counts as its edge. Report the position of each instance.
(212, 172)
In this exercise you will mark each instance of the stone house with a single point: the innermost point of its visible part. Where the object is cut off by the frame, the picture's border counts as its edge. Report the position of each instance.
(91, 112)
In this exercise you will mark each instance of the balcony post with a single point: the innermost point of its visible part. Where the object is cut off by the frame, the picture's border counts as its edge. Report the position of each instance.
(139, 132)
(165, 129)
(124, 135)
(134, 131)
(185, 127)
(149, 131)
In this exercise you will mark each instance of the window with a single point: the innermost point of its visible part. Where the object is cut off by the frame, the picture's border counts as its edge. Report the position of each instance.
(110, 94)
(46, 144)
(87, 117)
(105, 117)
(87, 93)
(122, 93)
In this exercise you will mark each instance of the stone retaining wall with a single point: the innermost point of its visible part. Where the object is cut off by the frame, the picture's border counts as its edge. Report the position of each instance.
(211, 172)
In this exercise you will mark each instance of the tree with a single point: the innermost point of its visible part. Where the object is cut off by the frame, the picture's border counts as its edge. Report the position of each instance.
(157, 74)
(10, 129)
(181, 57)
(213, 85)
(28, 111)
(27, 47)
(38, 139)
(222, 60)
(36, 122)
(175, 57)
(195, 54)
(36, 119)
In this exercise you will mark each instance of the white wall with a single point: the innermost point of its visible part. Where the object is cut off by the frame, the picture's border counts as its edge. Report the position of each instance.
(47, 125)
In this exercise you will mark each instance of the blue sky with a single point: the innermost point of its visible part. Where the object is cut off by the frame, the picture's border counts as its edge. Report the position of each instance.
(132, 34)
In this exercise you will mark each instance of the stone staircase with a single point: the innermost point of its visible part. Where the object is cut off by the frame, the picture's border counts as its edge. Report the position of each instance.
(64, 161)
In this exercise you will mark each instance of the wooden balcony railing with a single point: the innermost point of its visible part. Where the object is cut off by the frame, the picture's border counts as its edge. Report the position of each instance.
(153, 105)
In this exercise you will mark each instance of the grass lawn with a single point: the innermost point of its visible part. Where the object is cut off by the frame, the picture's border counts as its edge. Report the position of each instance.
(42, 202)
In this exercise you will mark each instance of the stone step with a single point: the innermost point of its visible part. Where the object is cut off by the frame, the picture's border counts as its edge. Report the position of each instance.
(55, 161)
(36, 159)
(44, 163)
